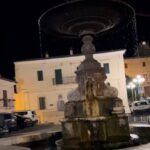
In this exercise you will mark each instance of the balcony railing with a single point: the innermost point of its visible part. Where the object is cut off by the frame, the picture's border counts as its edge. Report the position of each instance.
(7, 103)
(65, 80)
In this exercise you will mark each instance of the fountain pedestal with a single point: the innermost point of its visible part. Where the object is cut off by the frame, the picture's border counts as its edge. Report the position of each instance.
(94, 115)
(83, 129)
(93, 133)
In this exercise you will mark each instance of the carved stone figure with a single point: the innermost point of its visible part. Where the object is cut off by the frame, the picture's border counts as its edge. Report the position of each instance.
(110, 91)
(99, 85)
(89, 89)
(74, 95)
(87, 47)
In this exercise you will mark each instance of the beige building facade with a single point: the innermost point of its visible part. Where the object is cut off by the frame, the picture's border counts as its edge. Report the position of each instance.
(139, 66)
(7, 95)
(43, 84)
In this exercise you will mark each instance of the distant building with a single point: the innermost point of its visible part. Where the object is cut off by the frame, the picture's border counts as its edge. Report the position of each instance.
(43, 84)
(139, 66)
(143, 49)
(7, 95)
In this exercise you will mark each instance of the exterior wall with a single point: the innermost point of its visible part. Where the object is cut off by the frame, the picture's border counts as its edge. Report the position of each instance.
(117, 74)
(30, 89)
(9, 87)
(135, 67)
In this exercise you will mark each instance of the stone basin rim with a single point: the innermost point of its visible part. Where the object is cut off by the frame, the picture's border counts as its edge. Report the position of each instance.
(69, 34)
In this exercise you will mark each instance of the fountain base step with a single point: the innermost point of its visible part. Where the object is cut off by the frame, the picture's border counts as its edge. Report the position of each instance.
(92, 145)
(92, 133)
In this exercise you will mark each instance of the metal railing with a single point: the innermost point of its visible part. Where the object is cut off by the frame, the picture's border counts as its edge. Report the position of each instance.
(65, 80)
(139, 119)
(7, 104)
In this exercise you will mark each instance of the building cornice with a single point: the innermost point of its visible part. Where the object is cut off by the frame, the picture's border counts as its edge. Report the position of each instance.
(72, 57)
(5, 79)
(139, 57)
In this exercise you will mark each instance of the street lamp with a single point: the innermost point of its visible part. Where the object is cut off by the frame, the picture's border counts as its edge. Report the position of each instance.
(144, 43)
(131, 86)
(139, 80)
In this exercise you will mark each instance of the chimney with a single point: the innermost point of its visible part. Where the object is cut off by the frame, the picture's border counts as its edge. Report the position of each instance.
(71, 51)
(46, 55)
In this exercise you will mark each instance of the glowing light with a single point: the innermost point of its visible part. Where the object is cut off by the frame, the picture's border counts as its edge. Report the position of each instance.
(144, 43)
(139, 79)
(131, 85)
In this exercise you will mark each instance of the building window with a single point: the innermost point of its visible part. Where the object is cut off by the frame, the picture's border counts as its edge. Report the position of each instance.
(58, 76)
(42, 104)
(15, 89)
(145, 76)
(5, 99)
(126, 65)
(106, 68)
(60, 103)
(143, 64)
(40, 75)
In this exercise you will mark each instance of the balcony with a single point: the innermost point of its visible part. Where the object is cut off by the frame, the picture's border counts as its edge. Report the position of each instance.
(7, 103)
(64, 80)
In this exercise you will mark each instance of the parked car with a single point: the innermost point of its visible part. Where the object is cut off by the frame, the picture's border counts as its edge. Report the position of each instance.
(22, 122)
(3, 131)
(29, 114)
(148, 100)
(7, 121)
(142, 105)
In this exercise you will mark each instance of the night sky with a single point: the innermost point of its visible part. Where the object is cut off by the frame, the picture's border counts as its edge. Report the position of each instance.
(19, 37)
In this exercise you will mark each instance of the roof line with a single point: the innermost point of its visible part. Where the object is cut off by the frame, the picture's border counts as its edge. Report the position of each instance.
(65, 56)
(2, 78)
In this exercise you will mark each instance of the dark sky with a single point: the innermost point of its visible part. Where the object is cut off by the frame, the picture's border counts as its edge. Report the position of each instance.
(19, 39)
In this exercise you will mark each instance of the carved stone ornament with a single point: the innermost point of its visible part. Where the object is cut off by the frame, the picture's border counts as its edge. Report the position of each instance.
(74, 95)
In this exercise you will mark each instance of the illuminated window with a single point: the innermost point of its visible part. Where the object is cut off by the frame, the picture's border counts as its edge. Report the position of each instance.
(40, 75)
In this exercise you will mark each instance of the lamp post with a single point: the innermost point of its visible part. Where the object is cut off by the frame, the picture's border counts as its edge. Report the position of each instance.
(131, 86)
(139, 81)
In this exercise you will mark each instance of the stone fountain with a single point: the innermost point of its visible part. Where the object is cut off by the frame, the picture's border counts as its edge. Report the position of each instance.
(94, 115)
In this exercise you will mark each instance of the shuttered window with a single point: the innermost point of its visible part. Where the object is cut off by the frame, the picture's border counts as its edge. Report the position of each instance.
(126, 65)
(5, 99)
(42, 104)
(143, 64)
(40, 75)
(58, 76)
(106, 68)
